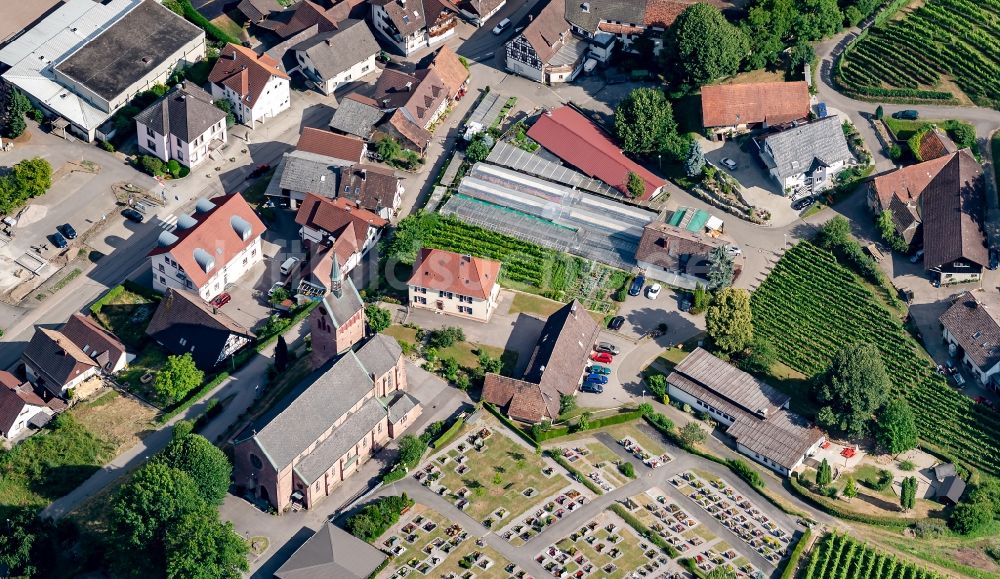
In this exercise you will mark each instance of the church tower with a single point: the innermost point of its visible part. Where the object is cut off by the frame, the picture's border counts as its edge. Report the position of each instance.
(338, 322)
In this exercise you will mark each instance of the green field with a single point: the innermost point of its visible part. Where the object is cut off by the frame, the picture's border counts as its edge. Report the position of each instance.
(909, 58)
(810, 307)
(839, 556)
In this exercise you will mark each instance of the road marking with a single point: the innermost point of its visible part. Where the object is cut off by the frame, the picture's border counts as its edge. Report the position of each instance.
(169, 223)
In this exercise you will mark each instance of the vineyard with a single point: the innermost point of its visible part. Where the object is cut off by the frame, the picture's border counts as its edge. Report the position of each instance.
(906, 58)
(810, 307)
(841, 557)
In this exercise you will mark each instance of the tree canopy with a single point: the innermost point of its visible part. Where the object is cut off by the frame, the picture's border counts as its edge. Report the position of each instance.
(13, 106)
(200, 546)
(896, 430)
(28, 179)
(205, 463)
(695, 161)
(856, 386)
(178, 376)
(704, 46)
(378, 318)
(729, 320)
(721, 268)
(644, 123)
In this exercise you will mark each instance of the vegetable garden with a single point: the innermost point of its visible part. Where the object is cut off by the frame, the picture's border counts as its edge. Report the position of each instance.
(906, 58)
(810, 307)
(841, 557)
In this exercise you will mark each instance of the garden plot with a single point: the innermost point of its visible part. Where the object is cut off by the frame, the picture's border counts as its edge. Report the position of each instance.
(481, 472)
(737, 513)
(425, 543)
(595, 461)
(605, 547)
(549, 513)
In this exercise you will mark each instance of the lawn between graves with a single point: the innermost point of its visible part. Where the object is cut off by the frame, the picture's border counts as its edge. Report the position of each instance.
(810, 307)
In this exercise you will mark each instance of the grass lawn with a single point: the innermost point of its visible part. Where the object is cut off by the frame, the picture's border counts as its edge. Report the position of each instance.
(626, 541)
(151, 359)
(127, 316)
(229, 25)
(599, 454)
(401, 333)
(120, 420)
(465, 353)
(533, 304)
(498, 476)
(904, 129)
(795, 384)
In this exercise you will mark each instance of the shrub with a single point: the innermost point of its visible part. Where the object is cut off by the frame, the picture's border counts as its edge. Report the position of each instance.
(174, 168)
(107, 146)
(692, 434)
(446, 337)
(151, 165)
(627, 469)
(907, 465)
(745, 472)
(376, 517)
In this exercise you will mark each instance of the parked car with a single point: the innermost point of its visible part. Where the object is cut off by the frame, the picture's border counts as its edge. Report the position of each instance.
(602, 357)
(58, 240)
(607, 347)
(685, 304)
(729, 164)
(288, 265)
(907, 115)
(637, 283)
(67, 230)
(801, 204)
(596, 379)
(734, 250)
(592, 388)
(616, 323)
(132, 215)
(598, 369)
(274, 287)
(221, 300)
(653, 291)
(501, 26)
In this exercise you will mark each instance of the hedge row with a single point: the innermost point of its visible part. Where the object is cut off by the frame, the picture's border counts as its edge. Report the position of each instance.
(792, 564)
(110, 295)
(196, 18)
(831, 509)
(619, 418)
(448, 435)
(644, 531)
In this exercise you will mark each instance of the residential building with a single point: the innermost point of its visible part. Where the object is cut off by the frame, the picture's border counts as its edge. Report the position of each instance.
(676, 255)
(555, 368)
(211, 248)
(332, 552)
(409, 25)
(298, 23)
(257, 11)
(346, 411)
(21, 409)
(60, 360)
(346, 149)
(938, 204)
(546, 50)
(752, 412)
(421, 100)
(84, 61)
(934, 144)
(607, 25)
(254, 85)
(480, 11)
(183, 323)
(971, 328)
(950, 486)
(375, 188)
(581, 143)
(455, 284)
(357, 115)
(808, 156)
(299, 173)
(730, 109)
(341, 225)
(331, 59)
(184, 126)
(338, 323)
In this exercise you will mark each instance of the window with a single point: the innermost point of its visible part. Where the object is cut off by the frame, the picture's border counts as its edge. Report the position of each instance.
(151, 145)
(255, 461)
(162, 268)
(245, 260)
(183, 341)
(150, 132)
(163, 280)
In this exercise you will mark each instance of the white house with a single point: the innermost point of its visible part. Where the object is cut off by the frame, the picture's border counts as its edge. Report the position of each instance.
(255, 85)
(210, 249)
(972, 330)
(333, 58)
(754, 414)
(409, 25)
(21, 408)
(809, 156)
(60, 360)
(455, 284)
(183, 125)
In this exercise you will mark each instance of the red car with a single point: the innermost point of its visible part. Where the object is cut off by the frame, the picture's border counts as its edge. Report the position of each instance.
(221, 300)
(602, 357)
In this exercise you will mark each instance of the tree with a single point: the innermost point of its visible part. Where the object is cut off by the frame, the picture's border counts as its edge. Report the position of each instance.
(446, 337)
(387, 148)
(767, 25)
(963, 134)
(760, 357)
(817, 19)
(854, 388)
(411, 449)
(704, 45)
(181, 429)
(644, 123)
(801, 54)
(850, 489)
(227, 107)
(879, 112)
(887, 229)
(720, 268)
(626, 468)
(657, 385)
(281, 354)
(896, 430)
(13, 106)
(729, 320)
(567, 403)
(908, 493)
(695, 162)
(635, 185)
(489, 364)
(33, 176)
(151, 165)
(205, 463)
(200, 546)
(969, 517)
(174, 168)
(692, 434)
(278, 295)
(178, 376)
(378, 318)
(834, 233)
(824, 474)
(477, 150)
(852, 16)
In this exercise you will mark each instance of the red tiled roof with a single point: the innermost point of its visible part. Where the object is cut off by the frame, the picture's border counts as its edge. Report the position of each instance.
(441, 270)
(334, 215)
(409, 130)
(322, 142)
(522, 400)
(451, 70)
(89, 336)
(216, 235)
(907, 183)
(575, 139)
(9, 380)
(724, 105)
(240, 69)
(935, 144)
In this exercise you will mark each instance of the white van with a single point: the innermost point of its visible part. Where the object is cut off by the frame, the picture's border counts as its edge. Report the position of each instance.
(501, 26)
(288, 265)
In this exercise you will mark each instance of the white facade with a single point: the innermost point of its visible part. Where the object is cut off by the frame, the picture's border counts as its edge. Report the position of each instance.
(20, 425)
(274, 99)
(317, 236)
(983, 375)
(406, 44)
(821, 179)
(329, 85)
(168, 273)
(167, 147)
(480, 20)
(455, 304)
(34, 375)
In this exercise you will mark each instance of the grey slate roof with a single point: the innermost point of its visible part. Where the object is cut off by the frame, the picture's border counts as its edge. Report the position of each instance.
(401, 405)
(975, 326)
(796, 150)
(338, 50)
(627, 11)
(331, 395)
(952, 489)
(732, 384)
(380, 354)
(347, 435)
(305, 173)
(343, 308)
(356, 115)
(332, 553)
(186, 112)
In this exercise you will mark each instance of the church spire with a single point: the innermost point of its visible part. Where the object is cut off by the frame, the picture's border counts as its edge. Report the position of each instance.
(336, 277)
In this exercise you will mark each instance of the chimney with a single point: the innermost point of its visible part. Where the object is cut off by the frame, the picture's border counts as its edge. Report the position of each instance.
(409, 86)
(364, 174)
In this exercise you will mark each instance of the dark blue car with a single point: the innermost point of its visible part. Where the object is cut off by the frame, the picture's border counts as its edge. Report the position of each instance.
(637, 283)
(596, 379)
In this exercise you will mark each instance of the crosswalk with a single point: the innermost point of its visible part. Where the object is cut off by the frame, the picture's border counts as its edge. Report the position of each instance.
(168, 223)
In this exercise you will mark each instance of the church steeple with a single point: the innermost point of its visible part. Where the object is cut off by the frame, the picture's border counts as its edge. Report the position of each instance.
(336, 277)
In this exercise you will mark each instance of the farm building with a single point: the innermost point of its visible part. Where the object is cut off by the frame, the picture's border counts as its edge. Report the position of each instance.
(553, 215)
